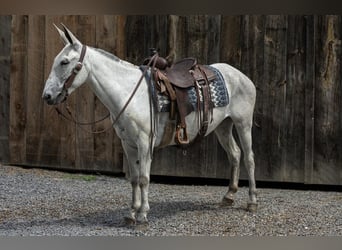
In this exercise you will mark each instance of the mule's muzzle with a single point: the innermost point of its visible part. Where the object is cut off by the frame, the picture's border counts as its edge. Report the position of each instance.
(50, 100)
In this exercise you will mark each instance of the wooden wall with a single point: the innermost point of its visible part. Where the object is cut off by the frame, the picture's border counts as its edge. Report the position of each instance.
(5, 53)
(294, 61)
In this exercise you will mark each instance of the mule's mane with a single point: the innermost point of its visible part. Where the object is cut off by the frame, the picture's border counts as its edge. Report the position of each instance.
(107, 54)
(113, 57)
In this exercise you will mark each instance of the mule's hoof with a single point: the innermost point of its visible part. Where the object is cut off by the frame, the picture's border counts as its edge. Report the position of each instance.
(227, 202)
(129, 221)
(142, 225)
(252, 207)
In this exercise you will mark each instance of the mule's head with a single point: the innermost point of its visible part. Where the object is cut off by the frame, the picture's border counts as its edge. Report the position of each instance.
(67, 63)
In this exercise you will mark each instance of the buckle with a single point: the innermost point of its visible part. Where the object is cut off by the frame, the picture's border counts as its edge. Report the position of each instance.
(198, 84)
(78, 67)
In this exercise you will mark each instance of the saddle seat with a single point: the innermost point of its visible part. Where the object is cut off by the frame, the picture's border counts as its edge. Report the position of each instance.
(179, 73)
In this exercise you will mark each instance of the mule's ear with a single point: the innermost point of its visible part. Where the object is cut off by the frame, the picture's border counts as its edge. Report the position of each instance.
(62, 35)
(70, 37)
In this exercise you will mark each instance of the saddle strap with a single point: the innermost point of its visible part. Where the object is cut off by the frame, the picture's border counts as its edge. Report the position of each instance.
(181, 133)
(204, 86)
(164, 84)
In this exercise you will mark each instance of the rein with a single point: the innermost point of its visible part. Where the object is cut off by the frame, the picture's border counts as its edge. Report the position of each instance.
(70, 81)
(80, 124)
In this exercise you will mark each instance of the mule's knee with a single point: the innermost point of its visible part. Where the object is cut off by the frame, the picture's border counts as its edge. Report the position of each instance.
(144, 181)
(134, 181)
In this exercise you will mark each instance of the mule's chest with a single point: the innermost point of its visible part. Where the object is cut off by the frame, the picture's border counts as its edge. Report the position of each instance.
(128, 130)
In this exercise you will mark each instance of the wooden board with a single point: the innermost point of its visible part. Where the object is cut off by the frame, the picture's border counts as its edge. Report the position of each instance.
(5, 69)
(18, 90)
(294, 101)
(309, 98)
(328, 101)
(36, 75)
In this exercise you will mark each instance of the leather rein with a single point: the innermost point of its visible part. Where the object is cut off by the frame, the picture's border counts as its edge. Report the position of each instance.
(70, 81)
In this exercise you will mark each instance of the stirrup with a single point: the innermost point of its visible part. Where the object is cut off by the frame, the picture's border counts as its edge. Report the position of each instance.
(181, 138)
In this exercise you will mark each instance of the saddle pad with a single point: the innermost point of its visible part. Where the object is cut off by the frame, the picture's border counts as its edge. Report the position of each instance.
(218, 91)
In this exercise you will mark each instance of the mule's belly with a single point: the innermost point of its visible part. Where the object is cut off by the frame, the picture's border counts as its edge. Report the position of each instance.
(192, 125)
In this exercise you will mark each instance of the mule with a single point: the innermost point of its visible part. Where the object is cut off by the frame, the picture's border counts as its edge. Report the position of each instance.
(112, 80)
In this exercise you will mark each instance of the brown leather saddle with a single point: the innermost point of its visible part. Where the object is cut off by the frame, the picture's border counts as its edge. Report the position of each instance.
(174, 81)
(179, 73)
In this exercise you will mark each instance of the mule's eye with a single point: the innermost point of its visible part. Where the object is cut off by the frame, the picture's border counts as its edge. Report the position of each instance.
(65, 62)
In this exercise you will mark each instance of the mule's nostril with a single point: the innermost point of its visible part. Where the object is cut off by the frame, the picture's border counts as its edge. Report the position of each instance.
(47, 97)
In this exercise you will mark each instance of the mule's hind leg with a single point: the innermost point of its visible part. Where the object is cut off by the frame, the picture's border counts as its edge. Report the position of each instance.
(244, 130)
(224, 133)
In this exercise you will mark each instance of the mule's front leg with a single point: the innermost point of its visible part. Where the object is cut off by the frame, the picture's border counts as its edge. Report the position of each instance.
(136, 200)
(145, 207)
(144, 183)
(134, 170)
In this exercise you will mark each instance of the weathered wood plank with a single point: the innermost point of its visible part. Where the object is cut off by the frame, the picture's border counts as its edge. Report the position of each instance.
(196, 28)
(294, 112)
(214, 38)
(135, 35)
(5, 68)
(272, 124)
(328, 101)
(158, 34)
(36, 79)
(18, 90)
(309, 97)
(230, 46)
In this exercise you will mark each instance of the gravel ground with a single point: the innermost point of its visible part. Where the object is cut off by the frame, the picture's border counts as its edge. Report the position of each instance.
(45, 202)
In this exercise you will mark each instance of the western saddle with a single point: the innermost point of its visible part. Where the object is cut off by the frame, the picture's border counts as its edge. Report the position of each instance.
(174, 81)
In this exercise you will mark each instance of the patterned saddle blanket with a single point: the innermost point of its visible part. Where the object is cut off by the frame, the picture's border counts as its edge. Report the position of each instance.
(218, 92)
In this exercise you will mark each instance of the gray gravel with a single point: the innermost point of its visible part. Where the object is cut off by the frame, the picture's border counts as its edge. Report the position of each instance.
(43, 202)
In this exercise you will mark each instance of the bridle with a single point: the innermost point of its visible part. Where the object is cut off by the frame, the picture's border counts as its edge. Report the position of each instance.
(70, 81)
(76, 69)
(67, 84)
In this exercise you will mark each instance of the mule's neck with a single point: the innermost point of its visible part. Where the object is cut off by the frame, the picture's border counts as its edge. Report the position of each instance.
(111, 79)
